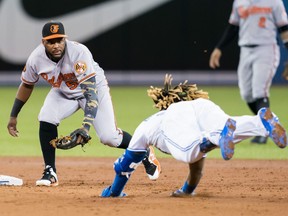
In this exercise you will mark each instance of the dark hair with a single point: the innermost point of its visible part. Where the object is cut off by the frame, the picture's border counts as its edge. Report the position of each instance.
(164, 97)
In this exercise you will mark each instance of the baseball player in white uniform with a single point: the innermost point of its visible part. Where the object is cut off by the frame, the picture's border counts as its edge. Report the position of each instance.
(256, 23)
(77, 83)
(188, 126)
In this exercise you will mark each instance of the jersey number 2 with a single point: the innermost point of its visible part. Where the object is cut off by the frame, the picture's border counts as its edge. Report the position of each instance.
(262, 22)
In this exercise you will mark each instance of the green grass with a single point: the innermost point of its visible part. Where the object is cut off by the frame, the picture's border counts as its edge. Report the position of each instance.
(131, 106)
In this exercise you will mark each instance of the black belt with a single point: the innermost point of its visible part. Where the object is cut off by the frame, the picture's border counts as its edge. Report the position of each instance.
(250, 45)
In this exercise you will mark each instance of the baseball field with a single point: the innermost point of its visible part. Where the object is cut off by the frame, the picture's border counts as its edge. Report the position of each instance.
(254, 182)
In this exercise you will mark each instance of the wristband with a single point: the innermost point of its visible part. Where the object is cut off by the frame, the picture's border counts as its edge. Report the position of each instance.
(187, 188)
(18, 104)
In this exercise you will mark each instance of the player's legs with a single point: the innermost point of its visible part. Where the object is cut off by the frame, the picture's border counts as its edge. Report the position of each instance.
(265, 63)
(151, 164)
(185, 127)
(147, 133)
(124, 167)
(54, 109)
(245, 77)
(247, 127)
(264, 124)
(245, 74)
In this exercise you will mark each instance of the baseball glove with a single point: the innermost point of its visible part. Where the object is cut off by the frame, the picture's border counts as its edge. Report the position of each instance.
(72, 140)
(285, 71)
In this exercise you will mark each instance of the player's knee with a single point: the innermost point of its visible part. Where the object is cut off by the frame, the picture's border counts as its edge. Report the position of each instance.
(110, 139)
(117, 138)
(128, 162)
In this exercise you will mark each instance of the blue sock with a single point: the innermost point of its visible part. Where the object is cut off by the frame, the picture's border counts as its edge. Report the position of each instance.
(118, 184)
(123, 169)
(187, 188)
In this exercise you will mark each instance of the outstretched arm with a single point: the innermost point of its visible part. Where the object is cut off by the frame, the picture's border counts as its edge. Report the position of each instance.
(192, 181)
(23, 94)
(195, 173)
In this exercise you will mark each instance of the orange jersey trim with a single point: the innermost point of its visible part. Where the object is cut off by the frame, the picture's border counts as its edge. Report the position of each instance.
(87, 77)
(29, 83)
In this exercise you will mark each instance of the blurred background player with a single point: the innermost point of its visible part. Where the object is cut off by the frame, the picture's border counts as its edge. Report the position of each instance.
(256, 23)
(188, 126)
(77, 82)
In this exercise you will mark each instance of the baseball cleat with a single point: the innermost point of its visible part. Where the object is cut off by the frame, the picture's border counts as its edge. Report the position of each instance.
(152, 165)
(226, 139)
(181, 193)
(271, 123)
(49, 178)
(108, 193)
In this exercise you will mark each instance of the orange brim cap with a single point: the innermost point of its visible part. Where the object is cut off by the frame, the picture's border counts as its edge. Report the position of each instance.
(55, 36)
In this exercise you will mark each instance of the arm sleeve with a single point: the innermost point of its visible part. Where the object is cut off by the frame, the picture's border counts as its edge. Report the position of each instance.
(89, 91)
(29, 75)
(230, 33)
(279, 13)
(283, 28)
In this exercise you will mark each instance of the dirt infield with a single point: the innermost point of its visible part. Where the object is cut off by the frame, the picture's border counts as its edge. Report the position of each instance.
(236, 187)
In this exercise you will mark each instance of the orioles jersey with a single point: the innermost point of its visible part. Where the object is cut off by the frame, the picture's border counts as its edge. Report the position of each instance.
(258, 20)
(76, 66)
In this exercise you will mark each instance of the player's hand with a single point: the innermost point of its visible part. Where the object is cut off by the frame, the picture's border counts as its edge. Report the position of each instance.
(80, 139)
(215, 58)
(12, 129)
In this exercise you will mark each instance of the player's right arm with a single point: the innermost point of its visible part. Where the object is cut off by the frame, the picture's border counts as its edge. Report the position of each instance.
(23, 94)
(215, 58)
(230, 33)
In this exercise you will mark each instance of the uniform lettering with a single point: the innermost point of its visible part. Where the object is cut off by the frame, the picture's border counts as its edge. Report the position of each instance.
(245, 12)
(52, 81)
(69, 79)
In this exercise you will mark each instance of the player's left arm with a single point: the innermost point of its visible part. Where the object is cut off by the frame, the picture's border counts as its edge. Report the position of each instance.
(89, 90)
(195, 173)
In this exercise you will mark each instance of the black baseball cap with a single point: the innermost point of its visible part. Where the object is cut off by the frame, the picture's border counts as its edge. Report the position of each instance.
(53, 30)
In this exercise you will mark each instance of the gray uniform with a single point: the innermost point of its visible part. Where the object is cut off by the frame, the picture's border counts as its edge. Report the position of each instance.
(260, 55)
(65, 96)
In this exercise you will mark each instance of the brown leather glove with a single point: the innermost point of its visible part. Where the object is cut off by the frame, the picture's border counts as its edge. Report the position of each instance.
(72, 140)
